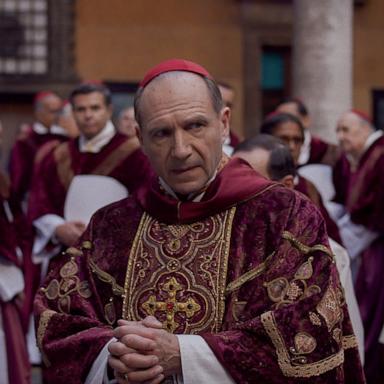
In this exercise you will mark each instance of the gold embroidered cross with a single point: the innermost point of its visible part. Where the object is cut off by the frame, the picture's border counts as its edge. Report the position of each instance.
(171, 306)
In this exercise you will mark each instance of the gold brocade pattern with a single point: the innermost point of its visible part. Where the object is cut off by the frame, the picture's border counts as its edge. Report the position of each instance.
(330, 306)
(69, 283)
(106, 278)
(45, 317)
(349, 341)
(305, 249)
(250, 275)
(283, 292)
(178, 273)
(292, 367)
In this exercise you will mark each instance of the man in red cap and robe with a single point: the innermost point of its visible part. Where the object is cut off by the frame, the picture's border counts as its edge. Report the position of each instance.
(359, 185)
(99, 151)
(209, 274)
(314, 150)
(47, 108)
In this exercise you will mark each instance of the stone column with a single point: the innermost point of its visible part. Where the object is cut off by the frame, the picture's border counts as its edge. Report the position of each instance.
(322, 61)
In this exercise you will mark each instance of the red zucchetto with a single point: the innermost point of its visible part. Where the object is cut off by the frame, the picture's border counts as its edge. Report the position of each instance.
(174, 65)
(362, 115)
(42, 95)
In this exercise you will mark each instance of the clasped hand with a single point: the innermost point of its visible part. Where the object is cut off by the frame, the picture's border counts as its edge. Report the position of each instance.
(143, 352)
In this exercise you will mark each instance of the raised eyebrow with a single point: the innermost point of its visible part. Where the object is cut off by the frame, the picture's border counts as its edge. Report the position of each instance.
(196, 119)
(159, 128)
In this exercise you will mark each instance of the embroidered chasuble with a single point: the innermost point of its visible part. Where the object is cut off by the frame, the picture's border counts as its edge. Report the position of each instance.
(248, 268)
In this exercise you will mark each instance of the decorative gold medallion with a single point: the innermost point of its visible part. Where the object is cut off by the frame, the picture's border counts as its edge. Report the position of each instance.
(64, 304)
(52, 291)
(305, 271)
(84, 290)
(69, 269)
(304, 343)
(329, 307)
(110, 313)
(277, 289)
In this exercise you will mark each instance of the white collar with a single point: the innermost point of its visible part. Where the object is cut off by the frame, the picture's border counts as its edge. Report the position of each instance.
(305, 150)
(368, 143)
(40, 129)
(371, 139)
(96, 143)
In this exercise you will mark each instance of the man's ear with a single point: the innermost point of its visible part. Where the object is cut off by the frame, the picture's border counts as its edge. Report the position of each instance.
(288, 181)
(225, 118)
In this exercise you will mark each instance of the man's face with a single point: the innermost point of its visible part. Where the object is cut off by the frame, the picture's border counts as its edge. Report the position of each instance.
(181, 133)
(48, 110)
(290, 133)
(258, 159)
(91, 113)
(352, 134)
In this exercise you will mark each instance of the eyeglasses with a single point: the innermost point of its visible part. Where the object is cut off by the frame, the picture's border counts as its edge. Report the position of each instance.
(294, 140)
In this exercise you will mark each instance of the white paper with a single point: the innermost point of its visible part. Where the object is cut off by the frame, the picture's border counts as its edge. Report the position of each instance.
(88, 193)
(321, 176)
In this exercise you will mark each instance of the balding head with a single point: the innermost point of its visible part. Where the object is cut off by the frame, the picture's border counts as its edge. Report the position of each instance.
(182, 129)
(47, 109)
(212, 88)
(352, 132)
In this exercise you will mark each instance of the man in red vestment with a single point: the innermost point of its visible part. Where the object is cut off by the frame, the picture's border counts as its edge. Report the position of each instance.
(228, 96)
(14, 291)
(289, 129)
(208, 274)
(314, 150)
(47, 107)
(99, 150)
(272, 159)
(359, 184)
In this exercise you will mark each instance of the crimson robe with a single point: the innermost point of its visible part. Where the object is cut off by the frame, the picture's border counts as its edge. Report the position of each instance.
(121, 159)
(361, 189)
(14, 325)
(322, 152)
(22, 160)
(308, 189)
(248, 268)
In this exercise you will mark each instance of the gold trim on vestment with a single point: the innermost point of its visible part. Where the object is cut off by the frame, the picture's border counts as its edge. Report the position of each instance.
(227, 243)
(250, 275)
(191, 256)
(305, 249)
(106, 278)
(128, 276)
(284, 361)
(45, 317)
(116, 157)
(349, 341)
(63, 163)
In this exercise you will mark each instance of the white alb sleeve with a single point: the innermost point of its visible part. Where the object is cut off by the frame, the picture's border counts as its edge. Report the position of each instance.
(11, 280)
(98, 373)
(199, 363)
(356, 238)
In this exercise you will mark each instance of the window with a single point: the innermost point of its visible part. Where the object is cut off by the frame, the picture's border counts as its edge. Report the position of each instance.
(23, 37)
(36, 40)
